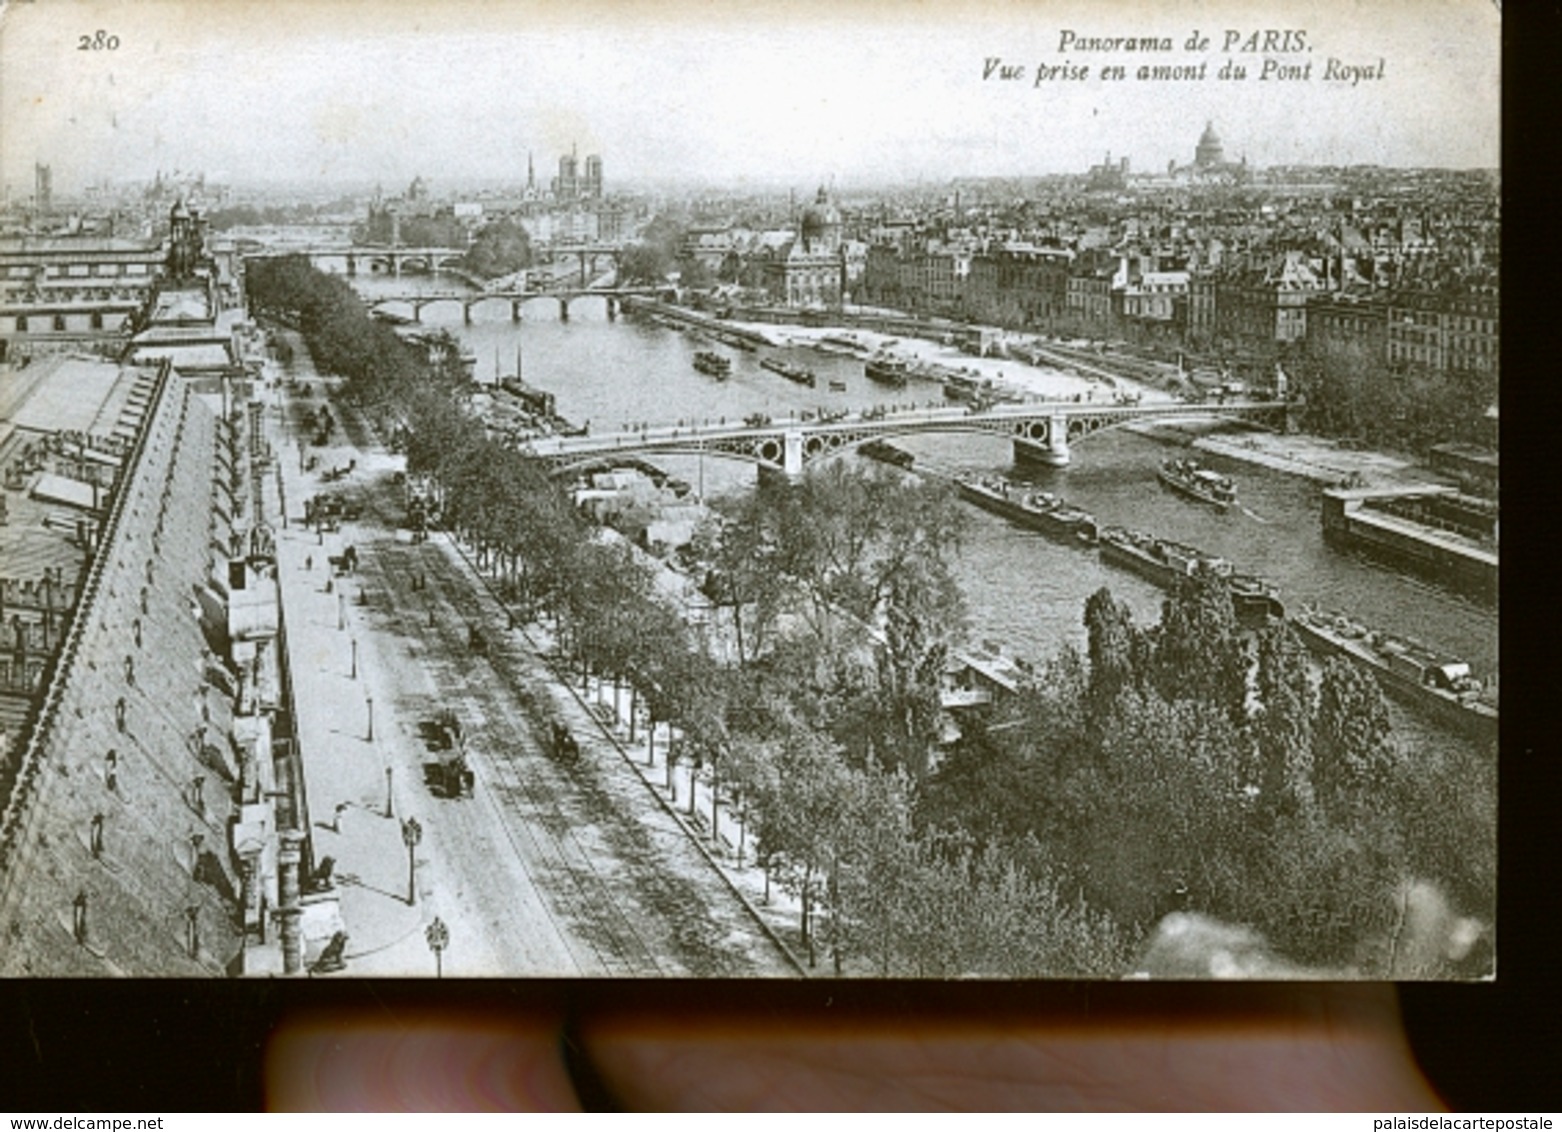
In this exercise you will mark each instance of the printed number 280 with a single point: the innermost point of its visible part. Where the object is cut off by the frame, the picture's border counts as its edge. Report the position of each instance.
(102, 41)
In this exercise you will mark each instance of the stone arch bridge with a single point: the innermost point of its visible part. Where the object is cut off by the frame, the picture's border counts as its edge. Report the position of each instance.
(467, 300)
(352, 259)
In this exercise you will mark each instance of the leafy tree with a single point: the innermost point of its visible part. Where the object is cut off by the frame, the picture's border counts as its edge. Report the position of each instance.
(1353, 756)
(643, 263)
(501, 247)
(1117, 647)
(739, 552)
(1284, 726)
(802, 814)
(1199, 652)
(694, 275)
(872, 869)
(910, 667)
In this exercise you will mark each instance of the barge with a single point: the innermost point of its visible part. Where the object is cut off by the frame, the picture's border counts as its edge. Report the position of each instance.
(1159, 561)
(1254, 600)
(1406, 669)
(1036, 510)
(887, 453)
(790, 372)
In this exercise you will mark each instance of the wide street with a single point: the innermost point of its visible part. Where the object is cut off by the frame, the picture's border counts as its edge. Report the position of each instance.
(549, 867)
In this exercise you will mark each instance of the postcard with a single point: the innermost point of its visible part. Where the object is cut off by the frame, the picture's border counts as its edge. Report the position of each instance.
(934, 490)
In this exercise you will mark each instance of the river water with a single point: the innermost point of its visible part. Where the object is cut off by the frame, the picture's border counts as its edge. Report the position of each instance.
(1022, 589)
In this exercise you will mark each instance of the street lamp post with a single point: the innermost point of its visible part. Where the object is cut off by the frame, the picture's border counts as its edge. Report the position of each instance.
(368, 700)
(411, 835)
(438, 936)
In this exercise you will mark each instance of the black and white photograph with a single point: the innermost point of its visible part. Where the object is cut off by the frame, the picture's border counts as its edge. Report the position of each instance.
(933, 491)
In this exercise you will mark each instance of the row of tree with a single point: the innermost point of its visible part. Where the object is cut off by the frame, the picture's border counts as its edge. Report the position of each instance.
(381, 369)
(813, 712)
(1351, 392)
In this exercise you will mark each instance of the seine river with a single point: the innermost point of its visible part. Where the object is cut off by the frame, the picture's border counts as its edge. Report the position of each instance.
(1022, 589)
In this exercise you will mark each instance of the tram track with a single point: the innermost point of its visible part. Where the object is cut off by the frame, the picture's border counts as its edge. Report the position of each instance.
(541, 822)
(617, 875)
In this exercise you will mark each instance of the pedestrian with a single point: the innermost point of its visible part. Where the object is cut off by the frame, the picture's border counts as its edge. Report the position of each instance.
(309, 562)
(336, 818)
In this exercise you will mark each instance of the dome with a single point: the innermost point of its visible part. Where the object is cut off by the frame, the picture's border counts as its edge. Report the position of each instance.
(811, 227)
(818, 221)
(1209, 151)
(179, 211)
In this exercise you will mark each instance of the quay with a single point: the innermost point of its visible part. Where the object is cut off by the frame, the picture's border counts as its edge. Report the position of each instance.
(1377, 520)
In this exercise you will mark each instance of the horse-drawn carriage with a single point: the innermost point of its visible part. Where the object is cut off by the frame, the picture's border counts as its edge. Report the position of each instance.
(452, 774)
(345, 562)
(563, 744)
(454, 777)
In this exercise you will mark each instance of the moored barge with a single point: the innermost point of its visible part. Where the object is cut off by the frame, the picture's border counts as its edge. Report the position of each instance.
(1411, 672)
(1019, 503)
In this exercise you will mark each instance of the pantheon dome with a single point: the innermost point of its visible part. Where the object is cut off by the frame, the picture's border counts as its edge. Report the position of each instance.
(1209, 152)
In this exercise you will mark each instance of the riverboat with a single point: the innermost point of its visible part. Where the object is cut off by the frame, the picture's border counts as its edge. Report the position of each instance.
(713, 364)
(1411, 672)
(962, 387)
(1190, 478)
(837, 386)
(790, 372)
(1037, 510)
(886, 370)
(1160, 561)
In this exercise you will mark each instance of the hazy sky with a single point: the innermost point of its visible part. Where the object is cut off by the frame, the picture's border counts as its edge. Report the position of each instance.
(336, 90)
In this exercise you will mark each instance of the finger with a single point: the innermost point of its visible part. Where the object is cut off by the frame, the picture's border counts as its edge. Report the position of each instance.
(1308, 1047)
(439, 1062)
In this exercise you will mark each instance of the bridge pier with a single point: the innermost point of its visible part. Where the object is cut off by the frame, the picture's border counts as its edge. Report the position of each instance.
(466, 313)
(1054, 453)
(792, 454)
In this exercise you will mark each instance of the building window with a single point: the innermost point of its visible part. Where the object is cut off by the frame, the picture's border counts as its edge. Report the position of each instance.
(21, 322)
(97, 320)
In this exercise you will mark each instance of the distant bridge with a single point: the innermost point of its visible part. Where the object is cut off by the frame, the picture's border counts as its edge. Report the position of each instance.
(418, 300)
(1040, 431)
(347, 259)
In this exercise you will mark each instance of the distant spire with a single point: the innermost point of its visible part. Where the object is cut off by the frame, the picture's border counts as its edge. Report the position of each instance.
(531, 171)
